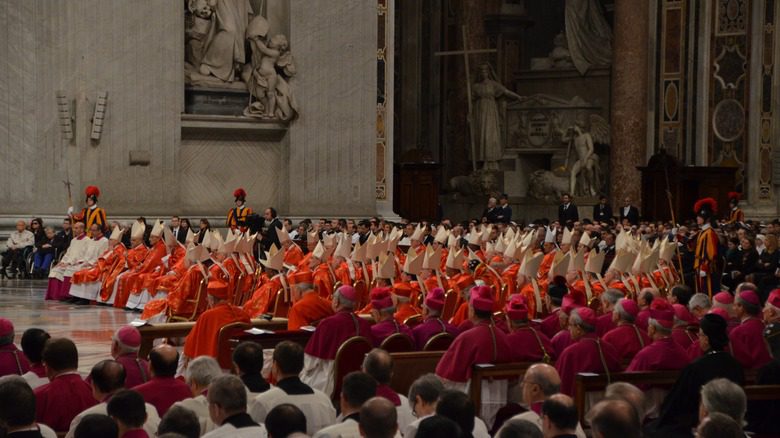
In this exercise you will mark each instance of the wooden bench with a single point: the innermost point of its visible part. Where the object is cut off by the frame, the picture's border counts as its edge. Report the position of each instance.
(489, 372)
(151, 332)
(589, 382)
(407, 367)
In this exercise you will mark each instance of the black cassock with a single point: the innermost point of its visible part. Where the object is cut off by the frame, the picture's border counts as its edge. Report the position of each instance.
(680, 409)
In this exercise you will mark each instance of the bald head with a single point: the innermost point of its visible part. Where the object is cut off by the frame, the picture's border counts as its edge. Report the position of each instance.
(546, 376)
(378, 418)
(614, 417)
(379, 365)
(108, 376)
(163, 360)
(628, 393)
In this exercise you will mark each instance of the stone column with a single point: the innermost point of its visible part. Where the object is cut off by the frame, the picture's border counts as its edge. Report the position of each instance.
(629, 101)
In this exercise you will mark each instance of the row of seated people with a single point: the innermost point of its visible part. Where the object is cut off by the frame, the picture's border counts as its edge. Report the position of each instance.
(30, 250)
(66, 400)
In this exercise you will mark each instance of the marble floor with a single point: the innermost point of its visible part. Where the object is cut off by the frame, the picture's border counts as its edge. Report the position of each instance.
(90, 327)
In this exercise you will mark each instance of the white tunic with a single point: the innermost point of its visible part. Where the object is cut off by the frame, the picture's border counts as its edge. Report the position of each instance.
(480, 430)
(152, 419)
(200, 406)
(318, 373)
(317, 407)
(229, 431)
(72, 260)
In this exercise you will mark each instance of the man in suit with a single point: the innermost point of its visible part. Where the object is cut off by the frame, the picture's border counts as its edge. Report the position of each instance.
(629, 212)
(179, 233)
(504, 211)
(567, 211)
(270, 237)
(602, 212)
(490, 214)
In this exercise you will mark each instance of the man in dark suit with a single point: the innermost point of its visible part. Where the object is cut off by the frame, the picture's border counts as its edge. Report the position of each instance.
(602, 212)
(504, 211)
(270, 237)
(490, 214)
(567, 211)
(629, 212)
(179, 233)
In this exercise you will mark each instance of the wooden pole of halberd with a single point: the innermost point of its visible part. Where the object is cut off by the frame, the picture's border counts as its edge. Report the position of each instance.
(468, 92)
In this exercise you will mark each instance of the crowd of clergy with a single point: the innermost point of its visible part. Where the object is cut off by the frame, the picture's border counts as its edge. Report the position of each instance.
(578, 297)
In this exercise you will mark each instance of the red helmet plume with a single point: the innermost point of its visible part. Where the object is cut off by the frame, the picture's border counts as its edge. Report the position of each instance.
(706, 207)
(92, 191)
(239, 193)
(735, 196)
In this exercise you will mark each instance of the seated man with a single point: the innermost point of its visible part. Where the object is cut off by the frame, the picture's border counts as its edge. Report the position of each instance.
(528, 344)
(287, 366)
(678, 411)
(383, 310)
(559, 416)
(66, 395)
(308, 306)
(97, 245)
(128, 409)
(379, 365)
(423, 396)
(124, 349)
(377, 419)
(202, 340)
(432, 323)
(72, 261)
(107, 379)
(540, 382)
(402, 293)
(199, 375)
(614, 418)
(663, 353)
(356, 389)
(33, 341)
(458, 407)
(626, 336)
(484, 343)
(227, 408)
(17, 242)
(286, 420)
(12, 361)
(747, 344)
(86, 282)
(18, 411)
(320, 351)
(587, 353)
(163, 389)
(248, 365)
(181, 421)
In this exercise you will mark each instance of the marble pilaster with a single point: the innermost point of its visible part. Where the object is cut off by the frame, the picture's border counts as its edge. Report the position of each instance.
(629, 100)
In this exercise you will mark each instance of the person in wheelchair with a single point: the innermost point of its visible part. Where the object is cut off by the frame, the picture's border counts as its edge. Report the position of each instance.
(18, 242)
(45, 251)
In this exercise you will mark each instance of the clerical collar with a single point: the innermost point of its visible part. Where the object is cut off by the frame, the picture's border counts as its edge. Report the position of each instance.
(353, 416)
(240, 421)
(293, 386)
(94, 206)
(706, 227)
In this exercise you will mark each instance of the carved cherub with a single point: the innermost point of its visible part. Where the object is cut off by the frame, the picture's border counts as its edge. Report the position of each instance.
(199, 23)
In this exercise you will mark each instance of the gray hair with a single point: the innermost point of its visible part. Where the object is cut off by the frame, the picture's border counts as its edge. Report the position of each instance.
(577, 320)
(202, 370)
(611, 296)
(726, 397)
(339, 298)
(428, 387)
(699, 300)
(660, 328)
(124, 348)
(519, 428)
(625, 316)
(228, 392)
(304, 286)
(630, 393)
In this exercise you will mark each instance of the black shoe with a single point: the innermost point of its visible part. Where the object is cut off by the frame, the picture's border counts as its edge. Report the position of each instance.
(3, 274)
(81, 302)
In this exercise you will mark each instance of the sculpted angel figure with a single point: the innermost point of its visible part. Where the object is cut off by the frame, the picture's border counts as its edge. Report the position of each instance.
(585, 176)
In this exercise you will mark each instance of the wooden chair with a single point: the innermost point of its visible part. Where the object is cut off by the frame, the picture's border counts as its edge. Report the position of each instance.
(349, 357)
(226, 333)
(361, 292)
(450, 305)
(199, 304)
(281, 306)
(413, 320)
(440, 342)
(397, 343)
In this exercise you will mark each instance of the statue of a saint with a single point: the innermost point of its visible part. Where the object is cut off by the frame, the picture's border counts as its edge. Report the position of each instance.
(267, 75)
(224, 52)
(588, 34)
(586, 176)
(487, 117)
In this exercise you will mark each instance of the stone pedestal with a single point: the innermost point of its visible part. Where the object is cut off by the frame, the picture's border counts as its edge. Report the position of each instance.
(629, 100)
